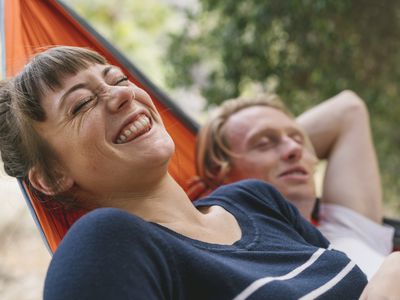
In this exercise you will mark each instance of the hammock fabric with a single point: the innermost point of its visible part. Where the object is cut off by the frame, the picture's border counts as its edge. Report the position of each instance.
(28, 27)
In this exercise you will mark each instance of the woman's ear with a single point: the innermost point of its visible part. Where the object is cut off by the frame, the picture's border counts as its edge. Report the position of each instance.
(39, 182)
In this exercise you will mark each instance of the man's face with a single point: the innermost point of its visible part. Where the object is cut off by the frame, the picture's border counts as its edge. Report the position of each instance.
(271, 146)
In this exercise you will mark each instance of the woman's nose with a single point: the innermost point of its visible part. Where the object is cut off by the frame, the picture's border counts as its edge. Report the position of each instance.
(120, 97)
(291, 150)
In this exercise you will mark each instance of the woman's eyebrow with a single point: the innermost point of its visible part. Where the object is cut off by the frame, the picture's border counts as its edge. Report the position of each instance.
(70, 90)
(107, 69)
(84, 85)
(110, 68)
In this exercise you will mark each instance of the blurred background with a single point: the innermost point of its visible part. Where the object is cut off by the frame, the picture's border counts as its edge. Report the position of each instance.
(202, 51)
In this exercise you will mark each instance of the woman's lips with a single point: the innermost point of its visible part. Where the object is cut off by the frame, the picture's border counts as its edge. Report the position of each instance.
(139, 126)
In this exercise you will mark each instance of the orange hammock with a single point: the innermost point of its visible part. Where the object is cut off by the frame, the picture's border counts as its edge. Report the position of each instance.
(29, 26)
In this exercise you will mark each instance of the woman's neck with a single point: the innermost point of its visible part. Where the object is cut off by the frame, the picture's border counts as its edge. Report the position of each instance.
(168, 205)
(162, 202)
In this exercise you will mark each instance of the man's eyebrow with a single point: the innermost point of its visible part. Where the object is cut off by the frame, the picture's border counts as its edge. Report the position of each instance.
(296, 130)
(255, 135)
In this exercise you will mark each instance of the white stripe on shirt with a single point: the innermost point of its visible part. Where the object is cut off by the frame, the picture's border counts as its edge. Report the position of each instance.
(323, 288)
(263, 281)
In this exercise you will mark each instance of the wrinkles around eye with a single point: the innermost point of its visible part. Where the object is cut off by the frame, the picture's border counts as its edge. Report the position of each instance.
(123, 79)
(82, 104)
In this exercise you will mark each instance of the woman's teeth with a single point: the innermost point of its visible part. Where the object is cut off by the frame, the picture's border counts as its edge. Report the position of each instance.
(138, 127)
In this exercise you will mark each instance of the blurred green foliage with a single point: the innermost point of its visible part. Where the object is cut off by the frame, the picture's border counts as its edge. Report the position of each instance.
(304, 50)
(137, 28)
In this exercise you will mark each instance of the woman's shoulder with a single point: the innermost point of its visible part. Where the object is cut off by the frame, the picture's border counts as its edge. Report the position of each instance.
(249, 187)
(110, 254)
(248, 195)
(252, 186)
(110, 225)
(109, 218)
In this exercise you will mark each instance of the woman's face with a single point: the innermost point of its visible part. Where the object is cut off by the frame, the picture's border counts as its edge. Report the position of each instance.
(106, 133)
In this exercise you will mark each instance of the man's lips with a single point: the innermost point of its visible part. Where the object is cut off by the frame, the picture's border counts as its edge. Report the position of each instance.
(294, 172)
(135, 126)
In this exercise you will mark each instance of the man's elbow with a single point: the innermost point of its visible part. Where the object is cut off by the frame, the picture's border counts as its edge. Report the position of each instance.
(353, 107)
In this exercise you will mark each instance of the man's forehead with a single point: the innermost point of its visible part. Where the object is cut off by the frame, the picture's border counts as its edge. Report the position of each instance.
(251, 121)
(254, 116)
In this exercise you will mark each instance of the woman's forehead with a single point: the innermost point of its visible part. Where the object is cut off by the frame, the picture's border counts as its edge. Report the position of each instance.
(86, 74)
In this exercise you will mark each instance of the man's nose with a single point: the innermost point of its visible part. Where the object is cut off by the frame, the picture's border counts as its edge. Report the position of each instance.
(291, 150)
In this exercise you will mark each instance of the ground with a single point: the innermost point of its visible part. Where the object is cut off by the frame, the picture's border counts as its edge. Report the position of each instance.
(24, 257)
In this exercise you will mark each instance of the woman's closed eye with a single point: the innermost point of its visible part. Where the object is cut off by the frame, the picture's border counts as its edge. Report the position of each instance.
(83, 104)
(123, 80)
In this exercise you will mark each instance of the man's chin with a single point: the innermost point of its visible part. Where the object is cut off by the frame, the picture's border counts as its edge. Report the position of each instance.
(299, 196)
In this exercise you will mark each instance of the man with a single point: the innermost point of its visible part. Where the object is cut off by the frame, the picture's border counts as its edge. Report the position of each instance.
(258, 138)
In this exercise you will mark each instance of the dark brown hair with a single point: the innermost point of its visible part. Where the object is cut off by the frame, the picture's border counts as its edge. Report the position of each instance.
(21, 147)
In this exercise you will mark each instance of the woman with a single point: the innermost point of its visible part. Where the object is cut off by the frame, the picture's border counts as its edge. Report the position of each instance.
(76, 128)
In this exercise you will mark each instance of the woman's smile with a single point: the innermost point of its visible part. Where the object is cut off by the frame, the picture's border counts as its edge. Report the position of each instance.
(140, 125)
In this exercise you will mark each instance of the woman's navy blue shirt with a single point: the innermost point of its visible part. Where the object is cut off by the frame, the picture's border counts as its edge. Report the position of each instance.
(111, 254)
